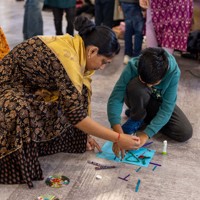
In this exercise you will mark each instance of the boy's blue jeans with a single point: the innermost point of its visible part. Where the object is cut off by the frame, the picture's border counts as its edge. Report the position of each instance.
(134, 26)
(33, 23)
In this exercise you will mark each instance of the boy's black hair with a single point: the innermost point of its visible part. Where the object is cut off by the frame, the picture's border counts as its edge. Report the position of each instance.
(153, 65)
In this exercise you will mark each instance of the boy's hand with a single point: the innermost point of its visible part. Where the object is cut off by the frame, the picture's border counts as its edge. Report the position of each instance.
(143, 138)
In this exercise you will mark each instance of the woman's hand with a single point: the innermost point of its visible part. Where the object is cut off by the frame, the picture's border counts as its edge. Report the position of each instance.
(128, 142)
(116, 149)
(92, 144)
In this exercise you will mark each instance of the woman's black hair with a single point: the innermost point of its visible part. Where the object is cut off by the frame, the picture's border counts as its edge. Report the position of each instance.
(153, 65)
(102, 37)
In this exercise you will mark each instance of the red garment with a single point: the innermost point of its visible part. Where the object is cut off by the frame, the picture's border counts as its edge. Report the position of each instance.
(172, 20)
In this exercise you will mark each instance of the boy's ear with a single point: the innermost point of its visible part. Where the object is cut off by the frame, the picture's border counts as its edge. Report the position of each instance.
(92, 51)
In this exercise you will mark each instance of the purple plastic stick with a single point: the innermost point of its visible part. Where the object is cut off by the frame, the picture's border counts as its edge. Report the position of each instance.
(124, 177)
(147, 144)
(155, 164)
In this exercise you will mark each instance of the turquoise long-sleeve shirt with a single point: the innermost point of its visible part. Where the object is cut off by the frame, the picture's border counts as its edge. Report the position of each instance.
(168, 87)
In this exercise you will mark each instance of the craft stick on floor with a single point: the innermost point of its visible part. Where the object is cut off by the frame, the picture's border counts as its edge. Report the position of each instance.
(125, 178)
(147, 144)
(137, 186)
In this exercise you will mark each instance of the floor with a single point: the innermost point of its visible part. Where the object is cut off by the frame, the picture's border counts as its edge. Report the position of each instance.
(177, 179)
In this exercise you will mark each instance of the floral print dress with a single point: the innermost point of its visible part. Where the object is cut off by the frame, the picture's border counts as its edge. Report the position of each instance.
(33, 120)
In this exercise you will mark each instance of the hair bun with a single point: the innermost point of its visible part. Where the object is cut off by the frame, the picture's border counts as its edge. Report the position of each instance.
(83, 25)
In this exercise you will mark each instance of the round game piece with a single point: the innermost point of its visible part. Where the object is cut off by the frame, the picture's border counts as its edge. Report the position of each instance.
(57, 181)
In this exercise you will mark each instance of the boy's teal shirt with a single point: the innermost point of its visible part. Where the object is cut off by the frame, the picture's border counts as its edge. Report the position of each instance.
(168, 87)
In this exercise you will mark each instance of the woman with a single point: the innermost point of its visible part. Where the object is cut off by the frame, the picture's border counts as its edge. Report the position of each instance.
(45, 99)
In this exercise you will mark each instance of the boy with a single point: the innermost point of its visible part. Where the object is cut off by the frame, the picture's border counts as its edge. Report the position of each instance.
(148, 86)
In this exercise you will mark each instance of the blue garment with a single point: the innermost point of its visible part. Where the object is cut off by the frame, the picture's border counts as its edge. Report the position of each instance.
(134, 26)
(168, 87)
(33, 22)
(131, 126)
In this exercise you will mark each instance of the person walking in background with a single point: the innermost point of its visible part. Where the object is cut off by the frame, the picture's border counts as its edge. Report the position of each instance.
(168, 23)
(33, 22)
(58, 8)
(45, 99)
(134, 26)
(104, 11)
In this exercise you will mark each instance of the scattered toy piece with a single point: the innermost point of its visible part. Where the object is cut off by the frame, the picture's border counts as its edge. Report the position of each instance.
(137, 186)
(47, 197)
(98, 177)
(57, 181)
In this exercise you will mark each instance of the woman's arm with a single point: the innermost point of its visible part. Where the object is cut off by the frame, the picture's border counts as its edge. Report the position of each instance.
(91, 127)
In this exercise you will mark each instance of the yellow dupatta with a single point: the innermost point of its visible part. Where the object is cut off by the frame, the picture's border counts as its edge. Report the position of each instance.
(71, 53)
(4, 48)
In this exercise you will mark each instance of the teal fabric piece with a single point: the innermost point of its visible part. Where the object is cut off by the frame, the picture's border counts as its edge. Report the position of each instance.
(60, 3)
(132, 157)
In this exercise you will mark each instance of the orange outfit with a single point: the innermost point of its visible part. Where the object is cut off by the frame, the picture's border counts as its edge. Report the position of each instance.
(4, 47)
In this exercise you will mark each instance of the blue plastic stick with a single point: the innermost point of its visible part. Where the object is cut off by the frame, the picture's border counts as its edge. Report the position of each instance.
(154, 168)
(137, 186)
(138, 169)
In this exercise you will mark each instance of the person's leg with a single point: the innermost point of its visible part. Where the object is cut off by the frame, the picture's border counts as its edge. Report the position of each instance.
(108, 12)
(58, 15)
(150, 32)
(98, 12)
(136, 99)
(33, 22)
(70, 16)
(178, 127)
(129, 31)
(138, 25)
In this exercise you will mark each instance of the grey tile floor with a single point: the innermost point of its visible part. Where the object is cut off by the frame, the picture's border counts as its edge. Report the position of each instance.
(177, 179)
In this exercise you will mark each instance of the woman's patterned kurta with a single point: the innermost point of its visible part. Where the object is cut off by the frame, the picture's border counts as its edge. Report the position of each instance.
(29, 125)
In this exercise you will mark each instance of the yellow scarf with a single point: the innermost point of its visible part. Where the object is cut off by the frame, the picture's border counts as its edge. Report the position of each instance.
(4, 48)
(71, 53)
